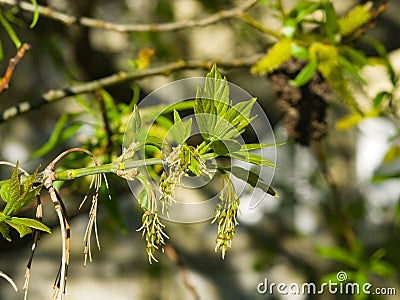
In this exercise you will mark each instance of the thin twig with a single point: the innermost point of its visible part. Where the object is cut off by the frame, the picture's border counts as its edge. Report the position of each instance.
(36, 237)
(121, 77)
(6, 163)
(48, 179)
(174, 257)
(5, 81)
(66, 19)
(6, 277)
(256, 24)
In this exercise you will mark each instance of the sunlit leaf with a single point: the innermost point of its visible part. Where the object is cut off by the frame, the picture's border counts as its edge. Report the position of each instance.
(22, 229)
(35, 14)
(31, 223)
(180, 131)
(10, 31)
(252, 158)
(331, 21)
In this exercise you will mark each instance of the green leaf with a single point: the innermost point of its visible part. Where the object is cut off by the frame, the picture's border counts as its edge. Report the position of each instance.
(179, 131)
(225, 147)
(331, 22)
(303, 9)
(377, 101)
(31, 223)
(251, 178)
(392, 154)
(355, 56)
(211, 104)
(381, 50)
(133, 127)
(306, 74)
(250, 147)
(21, 228)
(339, 255)
(194, 166)
(351, 68)
(11, 192)
(19, 196)
(10, 31)
(62, 132)
(154, 141)
(4, 230)
(35, 14)
(300, 52)
(355, 118)
(253, 159)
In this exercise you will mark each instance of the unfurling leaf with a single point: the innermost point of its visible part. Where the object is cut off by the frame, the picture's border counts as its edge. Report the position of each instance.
(179, 131)
(17, 195)
(252, 178)
(306, 74)
(31, 223)
(278, 54)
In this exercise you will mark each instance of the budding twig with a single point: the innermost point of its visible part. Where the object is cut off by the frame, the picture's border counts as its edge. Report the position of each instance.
(66, 19)
(121, 77)
(5, 81)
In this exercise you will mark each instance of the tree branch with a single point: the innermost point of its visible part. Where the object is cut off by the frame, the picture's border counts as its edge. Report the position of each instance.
(66, 19)
(5, 81)
(120, 77)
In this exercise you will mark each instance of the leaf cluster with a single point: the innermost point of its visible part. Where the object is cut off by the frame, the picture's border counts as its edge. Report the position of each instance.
(328, 48)
(17, 195)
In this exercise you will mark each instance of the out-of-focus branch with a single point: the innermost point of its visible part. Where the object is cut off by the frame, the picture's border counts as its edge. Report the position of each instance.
(48, 12)
(5, 81)
(120, 77)
(174, 257)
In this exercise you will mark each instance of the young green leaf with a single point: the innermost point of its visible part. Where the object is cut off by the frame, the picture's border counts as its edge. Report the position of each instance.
(4, 230)
(35, 14)
(179, 131)
(31, 223)
(351, 68)
(10, 31)
(300, 52)
(303, 9)
(377, 101)
(22, 229)
(250, 147)
(19, 196)
(225, 147)
(133, 127)
(331, 22)
(61, 132)
(252, 178)
(253, 159)
(306, 74)
(10, 192)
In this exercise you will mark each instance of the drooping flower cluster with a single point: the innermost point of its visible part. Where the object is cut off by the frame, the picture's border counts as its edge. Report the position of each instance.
(152, 231)
(226, 216)
(180, 161)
